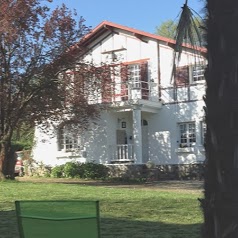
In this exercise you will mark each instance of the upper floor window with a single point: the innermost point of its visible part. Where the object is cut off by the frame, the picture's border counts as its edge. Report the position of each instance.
(187, 134)
(198, 72)
(189, 74)
(134, 75)
(69, 139)
(182, 76)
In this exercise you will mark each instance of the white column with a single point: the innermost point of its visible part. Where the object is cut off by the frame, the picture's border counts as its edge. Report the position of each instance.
(137, 136)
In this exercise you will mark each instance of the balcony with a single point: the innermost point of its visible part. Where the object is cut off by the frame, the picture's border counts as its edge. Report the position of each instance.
(126, 91)
(126, 94)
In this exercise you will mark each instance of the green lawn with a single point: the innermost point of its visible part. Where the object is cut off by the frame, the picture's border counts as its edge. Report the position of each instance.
(125, 212)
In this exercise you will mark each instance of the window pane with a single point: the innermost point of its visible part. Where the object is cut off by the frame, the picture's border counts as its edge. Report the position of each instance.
(191, 132)
(203, 132)
(134, 72)
(187, 134)
(198, 72)
(68, 138)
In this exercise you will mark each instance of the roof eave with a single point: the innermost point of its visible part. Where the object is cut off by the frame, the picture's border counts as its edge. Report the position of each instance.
(106, 25)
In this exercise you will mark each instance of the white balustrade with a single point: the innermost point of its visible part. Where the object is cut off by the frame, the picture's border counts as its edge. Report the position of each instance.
(120, 153)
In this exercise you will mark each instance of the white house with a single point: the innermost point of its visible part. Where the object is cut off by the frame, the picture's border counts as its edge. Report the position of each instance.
(152, 116)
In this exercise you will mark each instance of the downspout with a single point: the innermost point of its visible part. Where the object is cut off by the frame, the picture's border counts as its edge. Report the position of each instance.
(159, 76)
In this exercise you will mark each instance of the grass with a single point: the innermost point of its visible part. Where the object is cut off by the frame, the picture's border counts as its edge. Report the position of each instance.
(125, 212)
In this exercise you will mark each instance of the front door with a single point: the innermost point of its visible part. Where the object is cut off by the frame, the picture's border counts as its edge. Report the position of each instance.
(122, 149)
(121, 137)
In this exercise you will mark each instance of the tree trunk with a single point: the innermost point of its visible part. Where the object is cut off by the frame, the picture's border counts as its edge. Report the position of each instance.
(7, 160)
(220, 204)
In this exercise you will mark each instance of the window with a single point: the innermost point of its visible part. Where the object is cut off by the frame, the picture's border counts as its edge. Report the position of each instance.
(203, 132)
(182, 76)
(187, 134)
(198, 72)
(69, 139)
(186, 74)
(134, 75)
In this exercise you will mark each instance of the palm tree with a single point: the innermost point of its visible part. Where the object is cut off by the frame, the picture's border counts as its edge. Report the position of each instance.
(220, 202)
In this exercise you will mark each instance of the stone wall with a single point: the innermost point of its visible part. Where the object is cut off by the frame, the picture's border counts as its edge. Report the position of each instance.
(157, 172)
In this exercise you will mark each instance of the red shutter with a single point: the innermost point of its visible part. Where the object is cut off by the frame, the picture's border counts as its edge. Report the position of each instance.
(124, 82)
(144, 80)
(106, 81)
(182, 76)
(79, 84)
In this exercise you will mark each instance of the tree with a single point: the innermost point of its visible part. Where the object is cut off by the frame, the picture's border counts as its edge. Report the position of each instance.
(221, 167)
(42, 77)
(221, 191)
(167, 29)
(23, 137)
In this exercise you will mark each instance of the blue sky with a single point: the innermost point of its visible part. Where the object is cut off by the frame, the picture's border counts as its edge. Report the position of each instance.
(140, 14)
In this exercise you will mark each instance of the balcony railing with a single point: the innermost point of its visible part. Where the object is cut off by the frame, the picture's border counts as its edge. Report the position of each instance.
(121, 153)
(124, 91)
(130, 90)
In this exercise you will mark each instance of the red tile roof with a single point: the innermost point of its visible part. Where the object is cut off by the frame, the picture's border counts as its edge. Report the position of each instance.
(105, 25)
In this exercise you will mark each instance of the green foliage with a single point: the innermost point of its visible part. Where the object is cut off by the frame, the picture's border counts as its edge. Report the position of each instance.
(167, 29)
(93, 171)
(80, 170)
(20, 145)
(127, 180)
(191, 29)
(22, 138)
(57, 171)
(71, 170)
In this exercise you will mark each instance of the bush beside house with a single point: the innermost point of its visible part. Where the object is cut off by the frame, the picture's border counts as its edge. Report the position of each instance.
(80, 170)
(118, 172)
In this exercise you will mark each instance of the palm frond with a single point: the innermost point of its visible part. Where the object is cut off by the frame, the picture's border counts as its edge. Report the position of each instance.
(187, 30)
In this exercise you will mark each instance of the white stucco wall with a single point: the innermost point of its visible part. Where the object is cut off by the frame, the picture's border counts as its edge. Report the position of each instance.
(164, 134)
(45, 146)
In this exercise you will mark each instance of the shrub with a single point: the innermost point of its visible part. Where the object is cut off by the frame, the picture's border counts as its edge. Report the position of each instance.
(93, 171)
(71, 170)
(84, 170)
(58, 171)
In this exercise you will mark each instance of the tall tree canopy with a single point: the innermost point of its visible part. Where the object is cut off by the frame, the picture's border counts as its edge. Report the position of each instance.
(169, 29)
(38, 47)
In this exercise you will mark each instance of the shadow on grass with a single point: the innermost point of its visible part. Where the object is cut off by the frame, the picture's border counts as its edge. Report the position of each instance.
(8, 224)
(116, 228)
(125, 228)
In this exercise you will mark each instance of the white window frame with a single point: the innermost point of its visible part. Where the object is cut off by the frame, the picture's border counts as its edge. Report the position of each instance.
(197, 73)
(187, 134)
(203, 126)
(135, 75)
(69, 140)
